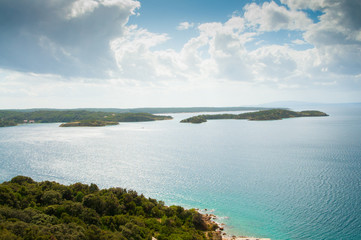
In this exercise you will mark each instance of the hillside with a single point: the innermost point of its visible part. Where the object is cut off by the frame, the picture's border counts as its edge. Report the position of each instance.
(49, 210)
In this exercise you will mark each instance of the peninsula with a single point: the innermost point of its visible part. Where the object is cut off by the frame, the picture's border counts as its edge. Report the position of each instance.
(273, 114)
(73, 117)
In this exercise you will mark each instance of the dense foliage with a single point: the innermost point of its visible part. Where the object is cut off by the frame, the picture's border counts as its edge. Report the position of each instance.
(50, 116)
(273, 114)
(6, 123)
(88, 123)
(49, 210)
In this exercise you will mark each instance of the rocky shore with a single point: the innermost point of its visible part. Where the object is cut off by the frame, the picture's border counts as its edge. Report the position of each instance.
(219, 233)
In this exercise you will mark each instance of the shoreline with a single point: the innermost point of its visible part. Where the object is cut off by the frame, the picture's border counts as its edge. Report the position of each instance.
(210, 219)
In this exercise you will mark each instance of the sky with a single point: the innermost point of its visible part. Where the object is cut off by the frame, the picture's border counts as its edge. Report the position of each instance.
(161, 53)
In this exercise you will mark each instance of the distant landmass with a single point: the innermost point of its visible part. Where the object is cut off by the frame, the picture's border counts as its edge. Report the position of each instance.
(90, 118)
(150, 110)
(105, 116)
(273, 114)
(300, 104)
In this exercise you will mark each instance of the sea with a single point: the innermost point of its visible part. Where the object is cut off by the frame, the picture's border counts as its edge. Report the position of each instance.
(296, 178)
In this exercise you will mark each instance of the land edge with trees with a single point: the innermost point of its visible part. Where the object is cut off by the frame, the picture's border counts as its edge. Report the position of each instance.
(84, 117)
(49, 210)
(88, 123)
(263, 115)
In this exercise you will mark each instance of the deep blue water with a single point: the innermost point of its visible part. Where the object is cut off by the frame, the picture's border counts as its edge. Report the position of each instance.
(291, 179)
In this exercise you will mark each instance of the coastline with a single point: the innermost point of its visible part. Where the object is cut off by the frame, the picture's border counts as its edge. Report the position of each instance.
(211, 219)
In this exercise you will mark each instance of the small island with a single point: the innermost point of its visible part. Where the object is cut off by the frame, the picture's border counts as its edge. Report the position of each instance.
(88, 123)
(195, 119)
(273, 114)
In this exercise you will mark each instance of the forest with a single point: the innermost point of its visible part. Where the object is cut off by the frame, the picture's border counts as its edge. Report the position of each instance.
(49, 210)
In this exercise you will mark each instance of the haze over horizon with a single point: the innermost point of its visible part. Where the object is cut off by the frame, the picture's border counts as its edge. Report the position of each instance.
(158, 53)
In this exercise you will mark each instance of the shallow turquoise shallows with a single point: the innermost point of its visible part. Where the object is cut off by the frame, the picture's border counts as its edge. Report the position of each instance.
(290, 179)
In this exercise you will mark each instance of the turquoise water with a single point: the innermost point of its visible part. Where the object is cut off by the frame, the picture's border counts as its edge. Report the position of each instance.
(290, 179)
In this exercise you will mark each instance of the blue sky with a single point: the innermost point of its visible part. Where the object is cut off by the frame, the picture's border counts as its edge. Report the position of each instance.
(155, 53)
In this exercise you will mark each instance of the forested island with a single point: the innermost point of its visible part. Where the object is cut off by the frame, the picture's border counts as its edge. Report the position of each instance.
(13, 117)
(273, 114)
(49, 210)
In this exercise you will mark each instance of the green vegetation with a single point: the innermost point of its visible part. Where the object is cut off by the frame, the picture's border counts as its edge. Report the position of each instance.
(273, 114)
(51, 116)
(7, 123)
(195, 119)
(49, 210)
(88, 123)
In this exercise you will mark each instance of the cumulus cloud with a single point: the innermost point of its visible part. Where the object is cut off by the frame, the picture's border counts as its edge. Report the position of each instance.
(272, 17)
(134, 56)
(337, 36)
(69, 38)
(81, 7)
(226, 49)
(91, 39)
(305, 4)
(298, 42)
(340, 24)
(185, 25)
(220, 52)
(275, 63)
(217, 53)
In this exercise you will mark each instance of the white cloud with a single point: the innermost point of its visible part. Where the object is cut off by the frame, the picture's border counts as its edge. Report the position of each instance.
(340, 24)
(136, 60)
(219, 52)
(233, 52)
(298, 42)
(272, 17)
(185, 25)
(306, 4)
(337, 36)
(275, 63)
(69, 38)
(80, 7)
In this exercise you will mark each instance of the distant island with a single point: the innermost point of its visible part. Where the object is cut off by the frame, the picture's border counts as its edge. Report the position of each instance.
(155, 110)
(85, 118)
(88, 123)
(264, 115)
(196, 119)
(49, 210)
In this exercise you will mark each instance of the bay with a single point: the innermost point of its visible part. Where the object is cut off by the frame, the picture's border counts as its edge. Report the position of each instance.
(290, 179)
